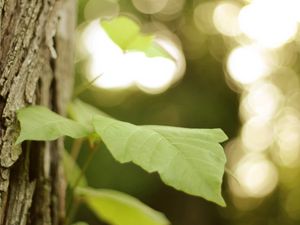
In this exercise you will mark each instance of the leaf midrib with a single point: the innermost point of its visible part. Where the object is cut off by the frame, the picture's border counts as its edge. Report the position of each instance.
(179, 152)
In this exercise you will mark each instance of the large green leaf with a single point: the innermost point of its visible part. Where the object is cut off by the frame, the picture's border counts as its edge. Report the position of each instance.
(38, 123)
(191, 160)
(126, 34)
(118, 208)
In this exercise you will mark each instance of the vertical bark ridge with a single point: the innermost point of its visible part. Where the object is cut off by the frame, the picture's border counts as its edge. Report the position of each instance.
(35, 68)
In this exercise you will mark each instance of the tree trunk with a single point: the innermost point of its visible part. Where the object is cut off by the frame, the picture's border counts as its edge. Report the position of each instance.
(36, 42)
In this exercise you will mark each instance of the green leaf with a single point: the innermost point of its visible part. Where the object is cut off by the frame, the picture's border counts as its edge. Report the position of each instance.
(118, 208)
(73, 172)
(38, 123)
(126, 34)
(121, 25)
(190, 160)
(83, 112)
(155, 50)
(140, 43)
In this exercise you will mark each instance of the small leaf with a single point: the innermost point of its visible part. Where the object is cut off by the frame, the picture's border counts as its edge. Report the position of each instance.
(38, 123)
(155, 50)
(121, 25)
(140, 43)
(191, 160)
(126, 34)
(73, 172)
(118, 208)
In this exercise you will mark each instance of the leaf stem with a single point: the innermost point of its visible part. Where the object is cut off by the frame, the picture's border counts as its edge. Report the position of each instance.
(73, 202)
(85, 86)
(84, 167)
(231, 173)
(72, 210)
(76, 146)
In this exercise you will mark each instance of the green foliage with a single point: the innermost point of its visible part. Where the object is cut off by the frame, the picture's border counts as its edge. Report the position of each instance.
(126, 34)
(118, 208)
(114, 207)
(83, 113)
(40, 124)
(190, 160)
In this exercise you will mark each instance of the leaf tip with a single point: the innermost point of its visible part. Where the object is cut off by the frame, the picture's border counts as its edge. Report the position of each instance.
(221, 135)
(222, 203)
(219, 200)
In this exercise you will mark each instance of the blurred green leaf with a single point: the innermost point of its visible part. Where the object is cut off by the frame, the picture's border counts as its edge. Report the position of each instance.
(83, 112)
(73, 172)
(155, 50)
(119, 208)
(126, 34)
(191, 160)
(40, 124)
(121, 30)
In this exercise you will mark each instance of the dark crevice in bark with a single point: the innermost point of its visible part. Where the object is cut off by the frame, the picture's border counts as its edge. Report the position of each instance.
(37, 91)
(53, 83)
(33, 166)
(54, 174)
(40, 211)
(2, 105)
(7, 194)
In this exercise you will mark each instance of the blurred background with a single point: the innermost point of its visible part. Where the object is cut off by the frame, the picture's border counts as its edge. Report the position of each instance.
(235, 66)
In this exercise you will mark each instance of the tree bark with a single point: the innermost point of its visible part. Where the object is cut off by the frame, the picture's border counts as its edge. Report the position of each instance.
(36, 42)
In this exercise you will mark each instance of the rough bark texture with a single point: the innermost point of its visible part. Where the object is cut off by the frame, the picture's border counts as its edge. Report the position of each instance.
(35, 68)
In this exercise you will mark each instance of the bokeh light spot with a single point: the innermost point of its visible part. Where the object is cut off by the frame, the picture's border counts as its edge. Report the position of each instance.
(288, 137)
(257, 176)
(262, 99)
(268, 22)
(203, 17)
(248, 64)
(225, 18)
(257, 134)
(149, 6)
(118, 69)
(171, 10)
